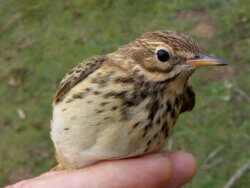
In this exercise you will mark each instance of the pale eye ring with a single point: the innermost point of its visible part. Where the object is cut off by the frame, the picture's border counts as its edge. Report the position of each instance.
(163, 55)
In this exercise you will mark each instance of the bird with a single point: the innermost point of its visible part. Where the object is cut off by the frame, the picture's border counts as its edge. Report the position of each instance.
(126, 103)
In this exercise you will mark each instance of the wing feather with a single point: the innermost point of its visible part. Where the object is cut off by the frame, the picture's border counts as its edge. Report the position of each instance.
(77, 74)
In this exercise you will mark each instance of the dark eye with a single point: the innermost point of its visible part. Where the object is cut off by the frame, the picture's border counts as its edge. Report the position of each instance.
(163, 55)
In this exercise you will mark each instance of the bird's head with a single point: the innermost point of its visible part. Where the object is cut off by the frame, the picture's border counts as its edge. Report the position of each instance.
(165, 55)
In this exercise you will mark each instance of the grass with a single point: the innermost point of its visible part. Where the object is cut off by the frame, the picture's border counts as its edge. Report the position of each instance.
(41, 40)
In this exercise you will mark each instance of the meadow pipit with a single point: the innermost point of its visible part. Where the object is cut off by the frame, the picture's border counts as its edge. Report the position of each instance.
(125, 103)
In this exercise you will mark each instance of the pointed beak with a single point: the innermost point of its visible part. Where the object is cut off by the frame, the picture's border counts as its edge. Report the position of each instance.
(203, 60)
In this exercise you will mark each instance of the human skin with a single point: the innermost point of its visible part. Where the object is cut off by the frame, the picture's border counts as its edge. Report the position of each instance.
(170, 170)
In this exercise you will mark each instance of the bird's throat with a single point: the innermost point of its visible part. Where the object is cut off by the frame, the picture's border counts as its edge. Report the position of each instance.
(178, 84)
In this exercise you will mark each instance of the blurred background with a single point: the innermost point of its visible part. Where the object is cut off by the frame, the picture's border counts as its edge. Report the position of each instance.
(40, 41)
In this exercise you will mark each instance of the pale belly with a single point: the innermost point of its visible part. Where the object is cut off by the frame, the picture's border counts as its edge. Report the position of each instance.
(93, 128)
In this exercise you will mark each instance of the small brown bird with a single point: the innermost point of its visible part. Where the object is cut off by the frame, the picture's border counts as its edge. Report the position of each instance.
(126, 103)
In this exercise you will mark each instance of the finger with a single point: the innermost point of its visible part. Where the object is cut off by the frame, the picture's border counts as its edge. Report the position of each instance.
(185, 168)
(47, 174)
(148, 171)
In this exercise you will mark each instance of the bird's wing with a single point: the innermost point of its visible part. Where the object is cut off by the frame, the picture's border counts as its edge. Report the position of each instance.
(77, 74)
(188, 99)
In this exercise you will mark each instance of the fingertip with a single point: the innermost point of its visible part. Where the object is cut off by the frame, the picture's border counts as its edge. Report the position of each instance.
(164, 168)
(194, 165)
(185, 168)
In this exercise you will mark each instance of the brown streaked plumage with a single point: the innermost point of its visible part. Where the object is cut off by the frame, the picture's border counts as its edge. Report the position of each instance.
(125, 103)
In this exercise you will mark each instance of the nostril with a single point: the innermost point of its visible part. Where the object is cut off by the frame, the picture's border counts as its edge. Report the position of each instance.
(197, 56)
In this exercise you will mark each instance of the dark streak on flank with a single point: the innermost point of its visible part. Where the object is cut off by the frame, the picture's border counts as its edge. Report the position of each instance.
(127, 98)
(149, 125)
(166, 132)
(99, 111)
(146, 128)
(103, 80)
(130, 102)
(64, 109)
(164, 126)
(124, 80)
(148, 144)
(110, 94)
(158, 120)
(136, 124)
(66, 129)
(169, 106)
(167, 109)
(165, 129)
(96, 92)
(77, 96)
(87, 89)
(176, 102)
(155, 136)
(153, 109)
(173, 113)
(114, 108)
(103, 103)
(70, 72)
(151, 115)
(81, 95)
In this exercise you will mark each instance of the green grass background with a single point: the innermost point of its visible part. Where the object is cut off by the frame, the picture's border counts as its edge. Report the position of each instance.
(41, 40)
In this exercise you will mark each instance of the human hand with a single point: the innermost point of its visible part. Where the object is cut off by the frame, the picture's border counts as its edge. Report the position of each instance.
(171, 170)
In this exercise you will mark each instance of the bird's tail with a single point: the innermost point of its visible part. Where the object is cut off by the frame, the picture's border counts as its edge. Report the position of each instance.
(57, 165)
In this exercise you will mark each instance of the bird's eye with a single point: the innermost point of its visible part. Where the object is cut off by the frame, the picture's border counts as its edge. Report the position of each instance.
(163, 55)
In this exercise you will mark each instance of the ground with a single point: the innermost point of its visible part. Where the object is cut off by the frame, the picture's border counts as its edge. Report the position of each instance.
(41, 40)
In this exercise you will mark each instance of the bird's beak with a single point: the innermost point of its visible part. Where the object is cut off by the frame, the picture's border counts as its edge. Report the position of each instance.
(203, 60)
